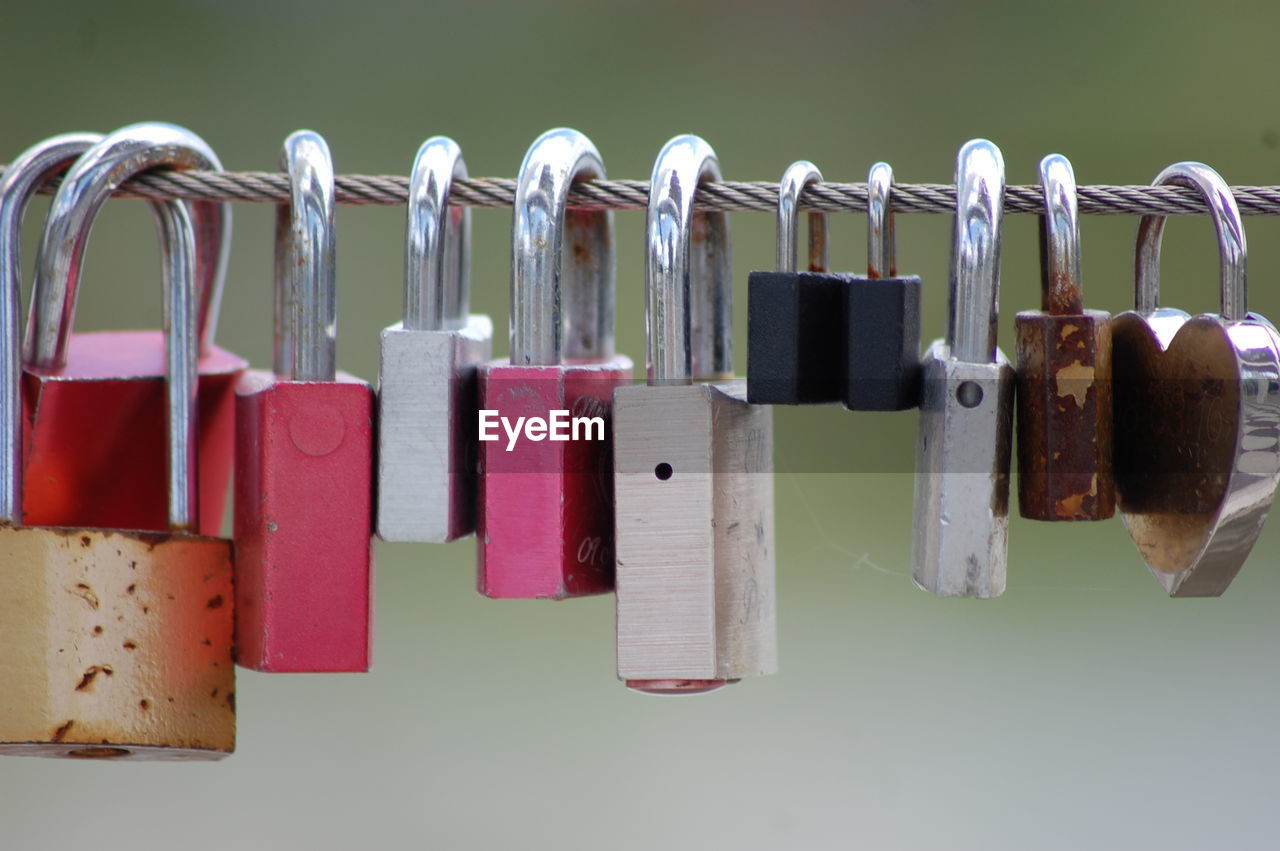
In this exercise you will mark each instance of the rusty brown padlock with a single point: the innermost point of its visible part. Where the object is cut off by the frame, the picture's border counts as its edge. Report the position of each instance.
(116, 643)
(1064, 375)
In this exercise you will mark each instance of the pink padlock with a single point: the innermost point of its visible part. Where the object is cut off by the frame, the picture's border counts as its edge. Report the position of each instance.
(544, 523)
(304, 458)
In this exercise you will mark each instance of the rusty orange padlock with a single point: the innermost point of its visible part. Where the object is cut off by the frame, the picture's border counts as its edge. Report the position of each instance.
(117, 642)
(1064, 393)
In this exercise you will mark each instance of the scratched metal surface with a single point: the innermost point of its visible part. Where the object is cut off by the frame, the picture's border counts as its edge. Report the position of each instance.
(1066, 714)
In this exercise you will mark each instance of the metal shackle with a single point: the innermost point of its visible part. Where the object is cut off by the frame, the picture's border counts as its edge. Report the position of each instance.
(23, 176)
(1061, 290)
(690, 329)
(1233, 271)
(437, 262)
(882, 260)
(113, 160)
(560, 311)
(794, 180)
(974, 298)
(306, 290)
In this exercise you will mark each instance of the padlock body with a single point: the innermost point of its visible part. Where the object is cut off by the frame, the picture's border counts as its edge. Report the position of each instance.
(695, 534)
(962, 475)
(882, 350)
(544, 525)
(117, 644)
(1197, 437)
(795, 334)
(95, 435)
(426, 487)
(1064, 416)
(303, 523)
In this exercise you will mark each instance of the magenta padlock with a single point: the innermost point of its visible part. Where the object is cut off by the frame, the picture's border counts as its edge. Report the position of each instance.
(544, 523)
(95, 402)
(304, 458)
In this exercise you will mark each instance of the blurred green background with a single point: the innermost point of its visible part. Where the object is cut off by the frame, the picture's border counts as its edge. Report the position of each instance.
(1082, 709)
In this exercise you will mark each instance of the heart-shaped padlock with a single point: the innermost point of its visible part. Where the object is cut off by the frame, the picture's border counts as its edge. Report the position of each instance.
(1197, 411)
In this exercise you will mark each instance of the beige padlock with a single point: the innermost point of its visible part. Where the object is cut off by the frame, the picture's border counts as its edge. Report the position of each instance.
(116, 643)
(693, 464)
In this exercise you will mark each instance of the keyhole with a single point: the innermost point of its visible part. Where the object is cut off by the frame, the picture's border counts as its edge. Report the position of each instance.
(663, 471)
(969, 394)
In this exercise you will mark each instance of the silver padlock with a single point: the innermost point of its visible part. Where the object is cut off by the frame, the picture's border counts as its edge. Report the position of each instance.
(427, 374)
(966, 412)
(693, 462)
(1197, 410)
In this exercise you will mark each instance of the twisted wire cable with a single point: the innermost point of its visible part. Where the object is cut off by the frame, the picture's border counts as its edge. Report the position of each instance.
(730, 195)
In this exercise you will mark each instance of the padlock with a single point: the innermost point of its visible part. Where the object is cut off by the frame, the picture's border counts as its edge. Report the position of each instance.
(544, 523)
(966, 407)
(795, 321)
(1197, 411)
(96, 401)
(821, 336)
(881, 315)
(427, 376)
(117, 642)
(693, 463)
(304, 457)
(1064, 375)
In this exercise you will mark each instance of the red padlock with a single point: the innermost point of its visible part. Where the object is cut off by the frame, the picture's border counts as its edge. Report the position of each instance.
(304, 458)
(545, 518)
(96, 402)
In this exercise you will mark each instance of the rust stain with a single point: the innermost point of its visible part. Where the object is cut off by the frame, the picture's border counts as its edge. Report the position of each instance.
(130, 645)
(60, 733)
(91, 674)
(1063, 294)
(84, 592)
(215, 602)
(818, 246)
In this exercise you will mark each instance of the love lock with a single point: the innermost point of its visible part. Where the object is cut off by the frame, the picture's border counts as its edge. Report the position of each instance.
(1197, 411)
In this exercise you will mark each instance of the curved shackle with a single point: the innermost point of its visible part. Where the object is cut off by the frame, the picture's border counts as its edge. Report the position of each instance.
(437, 260)
(1061, 290)
(109, 163)
(974, 298)
(306, 289)
(794, 180)
(560, 311)
(882, 259)
(1233, 271)
(688, 269)
(21, 179)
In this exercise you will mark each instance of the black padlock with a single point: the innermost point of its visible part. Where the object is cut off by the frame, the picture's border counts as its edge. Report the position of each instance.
(881, 316)
(795, 320)
(816, 337)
